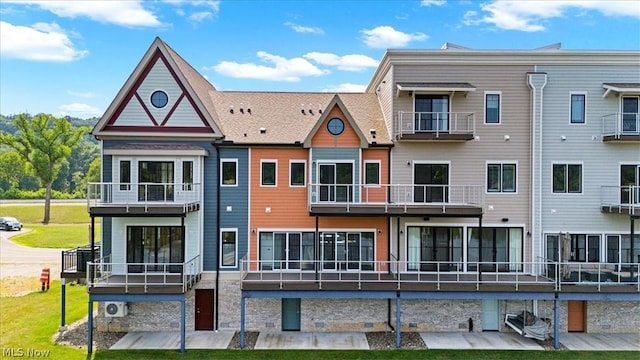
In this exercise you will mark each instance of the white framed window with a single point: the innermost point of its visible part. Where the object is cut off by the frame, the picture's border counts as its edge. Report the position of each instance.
(492, 107)
(297, 173)
(502, 177)
(228, 247)
(125, 175)
(268, 172)
(187, 175)
(578, 104)
(228, 172)
(372, 173)
(566, 178)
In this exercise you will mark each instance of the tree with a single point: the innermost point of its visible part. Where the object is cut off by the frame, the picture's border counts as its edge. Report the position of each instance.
(44, 143)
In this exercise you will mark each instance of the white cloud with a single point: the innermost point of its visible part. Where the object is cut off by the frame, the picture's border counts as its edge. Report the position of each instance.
(384, 37)
(352, 62)
(128, 13)
(304, 29)
(281, 69)
(79, 110)
(86, 95)
(192, 10)
(200, 16)
(530, 16)
(42, 42)
(346, 87)
(432, 2)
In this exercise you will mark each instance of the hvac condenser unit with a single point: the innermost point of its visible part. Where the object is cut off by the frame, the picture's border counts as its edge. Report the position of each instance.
(115, 309)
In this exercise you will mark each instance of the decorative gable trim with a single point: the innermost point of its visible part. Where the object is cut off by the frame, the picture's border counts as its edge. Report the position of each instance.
(201, 125)
(336, 102)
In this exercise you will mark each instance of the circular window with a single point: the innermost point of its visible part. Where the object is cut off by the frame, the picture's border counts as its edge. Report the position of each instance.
(159, 99)
(335, 126)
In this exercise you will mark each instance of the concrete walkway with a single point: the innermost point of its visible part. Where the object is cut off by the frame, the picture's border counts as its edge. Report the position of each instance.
(358, 341)
(18, 260)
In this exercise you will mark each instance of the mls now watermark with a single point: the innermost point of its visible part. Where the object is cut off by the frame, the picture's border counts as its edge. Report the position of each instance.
(25, 352)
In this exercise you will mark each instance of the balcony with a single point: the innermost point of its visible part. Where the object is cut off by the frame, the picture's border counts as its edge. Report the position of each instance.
(435, 126)
(621, 127)
(396, 200)
(540, 276)
(620, 200)
(105, 277)
(126, 199)
(74, 261)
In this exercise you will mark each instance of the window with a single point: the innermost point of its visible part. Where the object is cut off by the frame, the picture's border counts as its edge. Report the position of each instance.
(335, 126)
(431, 183)
(125, 175)
(229, 251)
(159, 99)
(286, 250)
(567, 178)
(578, 107)
(297, 173)
(156, 181)
(492, 108)
(501, 178)
(229, 172)
(156, 247)
(431, 113)
(500, 248)
(187, 175)
(268, 172)
(619, 248)
(582, 248)
(372, 172)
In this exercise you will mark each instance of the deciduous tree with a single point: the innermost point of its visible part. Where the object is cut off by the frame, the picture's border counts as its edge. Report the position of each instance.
(43, 142)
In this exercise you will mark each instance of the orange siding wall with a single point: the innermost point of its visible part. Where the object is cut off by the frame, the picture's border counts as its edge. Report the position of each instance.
(348, 138)
(372, 193)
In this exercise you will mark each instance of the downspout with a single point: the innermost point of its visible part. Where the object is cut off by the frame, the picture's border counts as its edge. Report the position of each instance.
(217, 296)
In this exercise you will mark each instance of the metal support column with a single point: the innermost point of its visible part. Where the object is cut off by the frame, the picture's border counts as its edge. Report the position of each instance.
(398, 322)
(242, 314)
(182, 325)
(63, 321)
(556, 322)
(90, 328)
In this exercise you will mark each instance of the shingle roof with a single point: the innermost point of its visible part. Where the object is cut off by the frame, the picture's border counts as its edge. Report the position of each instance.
(241, 115)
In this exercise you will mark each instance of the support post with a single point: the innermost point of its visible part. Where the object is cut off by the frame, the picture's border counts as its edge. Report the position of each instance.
(556, 322)
(632, 261)
(63, 321)
(182, 325)
(90, 328)
(242, 305)
(398, 322)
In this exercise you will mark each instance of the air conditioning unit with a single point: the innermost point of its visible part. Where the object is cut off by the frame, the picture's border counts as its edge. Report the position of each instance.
(115, 309)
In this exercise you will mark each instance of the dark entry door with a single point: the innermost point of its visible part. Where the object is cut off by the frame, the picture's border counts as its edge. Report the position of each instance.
(290, 314)
(204, 309)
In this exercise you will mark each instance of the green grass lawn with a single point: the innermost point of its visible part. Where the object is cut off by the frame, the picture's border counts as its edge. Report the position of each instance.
(68, 228)
(30, 321)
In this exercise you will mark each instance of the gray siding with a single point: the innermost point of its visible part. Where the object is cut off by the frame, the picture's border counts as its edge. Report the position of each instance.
(580, 213)
(238, 198)
(330, 154)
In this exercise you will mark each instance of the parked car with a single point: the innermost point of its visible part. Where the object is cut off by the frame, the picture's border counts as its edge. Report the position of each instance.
(10, 223)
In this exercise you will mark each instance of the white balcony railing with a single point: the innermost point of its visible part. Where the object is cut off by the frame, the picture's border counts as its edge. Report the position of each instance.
(125, 194)
(436, 123)
(396, 194)
(401, 273)
(621, 197)
(148, 276)
(619, 124)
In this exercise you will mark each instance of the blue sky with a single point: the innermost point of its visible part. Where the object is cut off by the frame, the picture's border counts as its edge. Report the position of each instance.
(72, 57)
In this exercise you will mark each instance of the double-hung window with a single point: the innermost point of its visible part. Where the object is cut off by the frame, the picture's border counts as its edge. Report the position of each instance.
(492, 107)
(268, 172)
(297, 173)
(578, 108)
(567, 178)
(229, 172)
(501, 177)
(372, 173)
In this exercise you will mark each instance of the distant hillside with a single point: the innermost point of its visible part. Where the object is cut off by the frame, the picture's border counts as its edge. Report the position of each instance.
(6, 123)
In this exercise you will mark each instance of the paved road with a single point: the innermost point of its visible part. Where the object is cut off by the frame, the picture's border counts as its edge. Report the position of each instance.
(18, 260)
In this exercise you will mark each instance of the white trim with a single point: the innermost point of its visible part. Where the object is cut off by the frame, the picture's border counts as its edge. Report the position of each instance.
(304, 172)
(484, 113)
(584, 115)
(228, 160)
(486, 176)
(560, 162)
(275, 175)
(220, 254)
(364, 173)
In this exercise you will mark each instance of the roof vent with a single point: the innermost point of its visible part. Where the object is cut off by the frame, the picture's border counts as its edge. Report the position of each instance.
(263, 130)
(231, 109)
